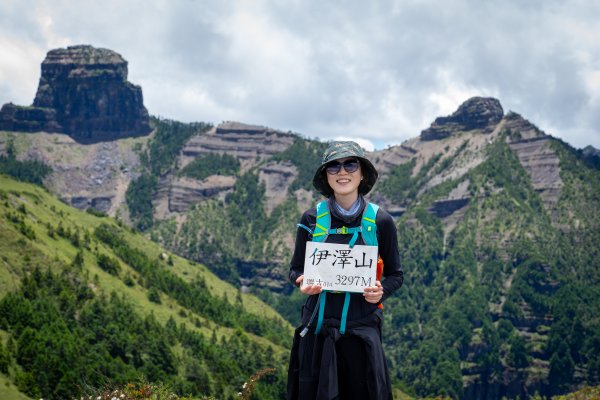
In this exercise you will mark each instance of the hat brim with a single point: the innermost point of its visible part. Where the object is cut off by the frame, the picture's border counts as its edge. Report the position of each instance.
(369, 178)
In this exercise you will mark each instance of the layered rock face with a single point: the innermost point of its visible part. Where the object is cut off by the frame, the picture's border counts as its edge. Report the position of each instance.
(28, 119)
(476, 113)
(83, 92)
(185, 192)
(244, 141)
(535, 153)
(277, 177)
(251, 144)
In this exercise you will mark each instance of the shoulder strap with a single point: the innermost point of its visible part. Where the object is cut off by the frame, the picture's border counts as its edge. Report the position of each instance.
(368, 225)
(320, 235)
(323, 222)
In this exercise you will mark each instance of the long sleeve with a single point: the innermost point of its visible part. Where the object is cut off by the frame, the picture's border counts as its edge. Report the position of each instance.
(387, 238)
(308, 219)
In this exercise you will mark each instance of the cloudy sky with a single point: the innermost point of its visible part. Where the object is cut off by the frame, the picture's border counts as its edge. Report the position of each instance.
(380, 71)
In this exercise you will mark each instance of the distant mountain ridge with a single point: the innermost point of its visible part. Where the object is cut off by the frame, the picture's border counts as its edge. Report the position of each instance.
(496, 235)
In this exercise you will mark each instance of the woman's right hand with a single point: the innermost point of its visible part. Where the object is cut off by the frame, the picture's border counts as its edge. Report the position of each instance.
(308, 289)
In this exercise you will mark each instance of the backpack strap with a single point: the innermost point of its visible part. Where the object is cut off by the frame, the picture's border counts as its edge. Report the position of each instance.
(368, 225)
(344, 230)
(345, 313)
(322, 300)
(323, 222)
(321, 306)
(320, 235)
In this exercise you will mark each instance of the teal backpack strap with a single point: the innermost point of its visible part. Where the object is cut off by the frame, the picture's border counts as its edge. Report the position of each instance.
(368, 225)
(345, 313)
(319, 235)
(323, 222)
(354, 237)
(321, 311)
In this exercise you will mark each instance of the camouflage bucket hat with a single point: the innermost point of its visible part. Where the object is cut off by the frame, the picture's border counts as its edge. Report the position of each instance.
(336, 151)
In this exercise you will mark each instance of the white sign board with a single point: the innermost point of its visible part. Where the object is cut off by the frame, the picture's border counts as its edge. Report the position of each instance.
(338, 267)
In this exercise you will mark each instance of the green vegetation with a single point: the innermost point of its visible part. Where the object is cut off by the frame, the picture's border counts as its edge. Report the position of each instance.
(158, 159)
(168, 140)
(235, 234)
(102, 307)
(505, 259)
(190, 295)
(26, 171)
(211, 164)
(139, 200)
(470, 291)
(305, 155)
(504, 291)
(399, 182)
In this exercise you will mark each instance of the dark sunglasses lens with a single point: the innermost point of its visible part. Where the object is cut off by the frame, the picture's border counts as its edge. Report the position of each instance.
(333, 168)
(351, 166)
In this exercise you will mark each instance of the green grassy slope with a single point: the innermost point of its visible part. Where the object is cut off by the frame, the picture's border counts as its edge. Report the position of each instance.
(39, 233)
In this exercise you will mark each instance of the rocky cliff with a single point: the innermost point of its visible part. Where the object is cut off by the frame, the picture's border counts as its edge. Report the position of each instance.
(251, 144)
(83, 92)
(534, 149)
(476, 113)
(93, 175)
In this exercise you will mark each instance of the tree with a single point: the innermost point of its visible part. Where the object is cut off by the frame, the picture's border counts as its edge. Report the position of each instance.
(4, 359)
(562, 368)
(517, 354)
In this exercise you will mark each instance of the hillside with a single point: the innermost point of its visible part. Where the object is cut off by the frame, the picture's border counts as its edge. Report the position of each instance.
(103, 305)
(496, 221)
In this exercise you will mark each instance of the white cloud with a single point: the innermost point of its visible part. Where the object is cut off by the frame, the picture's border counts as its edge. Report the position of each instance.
(19, 69)
(359, 69)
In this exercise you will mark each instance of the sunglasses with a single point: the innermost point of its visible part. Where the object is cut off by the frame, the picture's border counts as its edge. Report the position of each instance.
(350, 166)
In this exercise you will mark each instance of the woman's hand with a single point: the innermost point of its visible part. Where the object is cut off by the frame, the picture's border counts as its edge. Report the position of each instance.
(373, 294)
(308, 289)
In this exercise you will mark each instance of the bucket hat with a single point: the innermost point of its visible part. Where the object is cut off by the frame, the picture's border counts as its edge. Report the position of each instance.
(336, 151)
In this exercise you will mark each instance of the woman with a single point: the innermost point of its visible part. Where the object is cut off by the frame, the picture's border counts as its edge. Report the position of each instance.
(349, 364)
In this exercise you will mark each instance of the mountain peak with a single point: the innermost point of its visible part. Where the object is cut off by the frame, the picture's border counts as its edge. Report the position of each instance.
(83, 92)
(83, 54)
(475, 113)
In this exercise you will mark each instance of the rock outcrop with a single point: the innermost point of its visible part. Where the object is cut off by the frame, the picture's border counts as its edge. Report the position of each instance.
(482, 113)
(28, 119)
(538, 158)
(277, 177)
(249, 143)
(185, 192)
(83, 92)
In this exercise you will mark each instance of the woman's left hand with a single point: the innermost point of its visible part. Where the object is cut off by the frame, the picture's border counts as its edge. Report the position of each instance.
(373, 294)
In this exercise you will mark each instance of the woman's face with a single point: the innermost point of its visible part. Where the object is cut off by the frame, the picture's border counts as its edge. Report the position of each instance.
(343, 182)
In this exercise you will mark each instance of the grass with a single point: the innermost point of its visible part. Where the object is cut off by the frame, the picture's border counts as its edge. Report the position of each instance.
(17, 256)
(8, 391)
